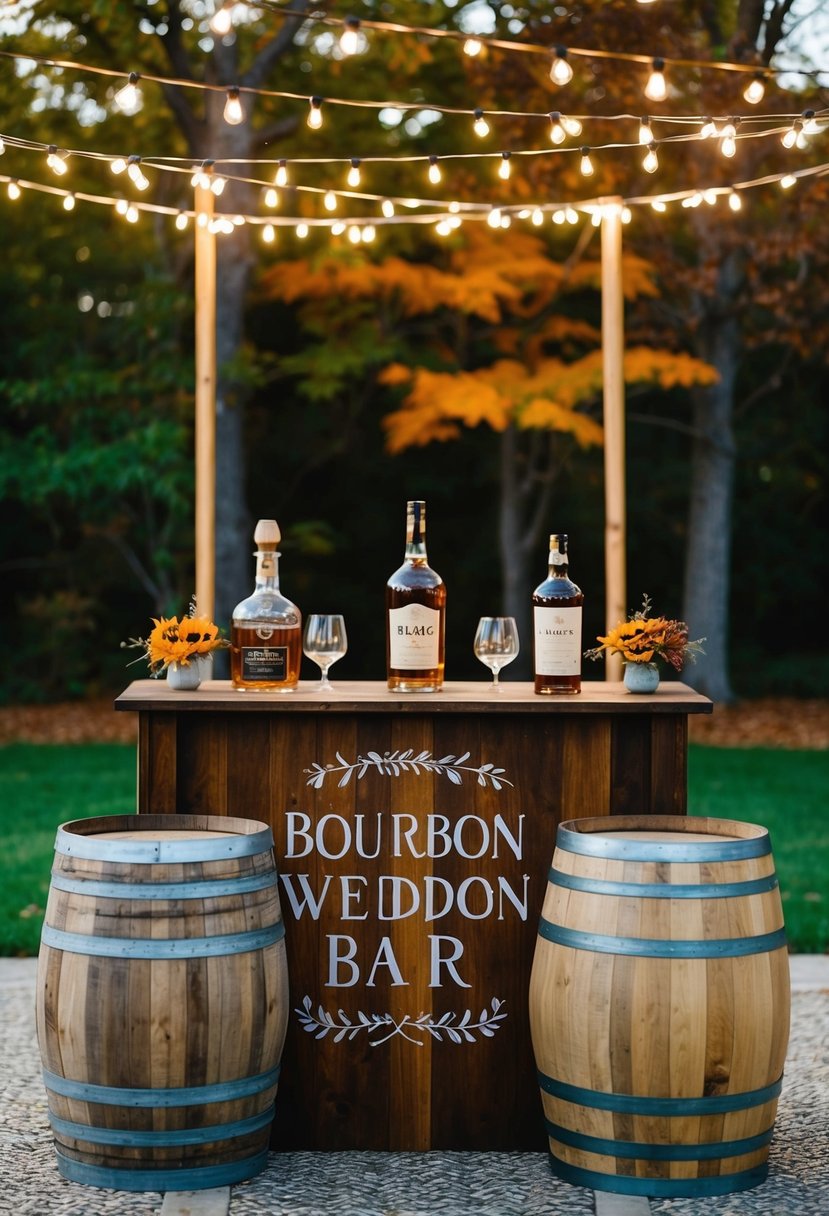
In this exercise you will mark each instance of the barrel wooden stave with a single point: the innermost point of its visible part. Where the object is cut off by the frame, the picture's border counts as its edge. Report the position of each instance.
(660, 1028)
(163, 1024)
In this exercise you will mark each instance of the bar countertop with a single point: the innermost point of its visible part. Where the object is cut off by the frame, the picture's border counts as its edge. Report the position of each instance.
(372, 696)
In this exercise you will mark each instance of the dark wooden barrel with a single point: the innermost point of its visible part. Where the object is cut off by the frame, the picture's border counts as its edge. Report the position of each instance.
(659, 1005)
(162, 1000)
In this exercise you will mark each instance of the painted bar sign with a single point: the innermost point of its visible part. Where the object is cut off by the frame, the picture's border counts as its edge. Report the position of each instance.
(411, 881)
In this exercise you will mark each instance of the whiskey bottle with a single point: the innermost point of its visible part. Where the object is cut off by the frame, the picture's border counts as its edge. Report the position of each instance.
(415, 614)
(266, 628)
(557, 608)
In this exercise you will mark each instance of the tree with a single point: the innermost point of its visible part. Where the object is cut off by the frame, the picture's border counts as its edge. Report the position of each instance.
(447, 322)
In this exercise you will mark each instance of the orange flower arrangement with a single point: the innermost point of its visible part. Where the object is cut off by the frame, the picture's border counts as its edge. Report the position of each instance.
(177, 641)
(644, 639)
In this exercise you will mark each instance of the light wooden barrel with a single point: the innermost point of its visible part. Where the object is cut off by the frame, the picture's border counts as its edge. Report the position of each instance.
(162, 1000)
(659, 1005)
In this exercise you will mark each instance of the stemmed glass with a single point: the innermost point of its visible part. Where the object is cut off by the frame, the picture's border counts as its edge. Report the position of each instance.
(496, 644)
(325, 641)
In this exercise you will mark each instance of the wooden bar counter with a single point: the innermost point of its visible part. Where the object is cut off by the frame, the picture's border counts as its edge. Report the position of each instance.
(413, 839)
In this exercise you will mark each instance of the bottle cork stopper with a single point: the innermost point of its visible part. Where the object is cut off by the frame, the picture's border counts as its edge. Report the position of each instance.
(267, 534)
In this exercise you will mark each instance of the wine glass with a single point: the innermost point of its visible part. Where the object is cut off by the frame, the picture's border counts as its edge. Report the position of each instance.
(325, 641)
(496, 644)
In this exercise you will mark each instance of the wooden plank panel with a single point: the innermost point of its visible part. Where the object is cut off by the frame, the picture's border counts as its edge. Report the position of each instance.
(202, 765)
(157, 772)
(630, 767)
(669, 765)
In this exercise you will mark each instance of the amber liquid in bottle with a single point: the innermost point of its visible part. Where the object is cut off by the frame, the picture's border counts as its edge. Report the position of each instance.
(557, 610)
(266, 628)
(415, 615)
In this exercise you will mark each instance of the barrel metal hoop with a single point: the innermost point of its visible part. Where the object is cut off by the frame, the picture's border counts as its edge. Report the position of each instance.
(666, 1188)
(148, 947)
(639, 1104)
(647, 947)
(663, 890)
(657, 1152)
(163, 852)
(596, 845)
(139, 1139)
(196, 889)
(189, 1095)
(206, 1176)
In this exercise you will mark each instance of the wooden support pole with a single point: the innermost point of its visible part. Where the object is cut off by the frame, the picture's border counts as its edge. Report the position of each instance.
(205, 428)
(613, 343)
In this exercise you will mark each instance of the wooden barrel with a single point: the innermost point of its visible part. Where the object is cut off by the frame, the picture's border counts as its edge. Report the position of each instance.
(162, 1000)
(659, 1005)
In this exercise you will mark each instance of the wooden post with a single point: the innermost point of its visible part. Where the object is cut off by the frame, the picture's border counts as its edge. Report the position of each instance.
(205, 428)
(614, 422)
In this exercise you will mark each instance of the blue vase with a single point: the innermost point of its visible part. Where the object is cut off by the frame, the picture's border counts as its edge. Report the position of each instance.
(641, 677)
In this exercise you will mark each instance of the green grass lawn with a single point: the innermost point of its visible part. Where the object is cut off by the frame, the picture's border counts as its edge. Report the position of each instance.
(42, 786)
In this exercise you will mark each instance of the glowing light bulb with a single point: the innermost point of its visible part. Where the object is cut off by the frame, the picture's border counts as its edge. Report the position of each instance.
(645, 131)
(121, 206)
(472, 46)
(131, 214)
(480, 126)
(281, 178)
(369, 233)
(627, 215)
(537, 217)
(329, 202)
(454, 207)
(443, 228)
(788, 181)
(709, 197)
(354, 235)
(504, 169)
(791, 136)
(656, 89)
(119, 165)
(338, 229)
(755, 90)
(350, 37)
(658, 205)
(728, 146)
(269, 234)
(651, 162)
(559, 217)
(506, 221)
(734, 201)
(271, 197)
(353, 178)
(810, 125)
(136, 173)
(596, 219)
(571, 215)
(494, 218)
(387, 207)
(69, 202)
(302, 231)
(217, 184)
(2, 146)
(182, 220)
(233, 112)
(455, 221)
(315, 113)
(708, 129)
(13, 190)
(128, 97)
(201, 220)
(571, 125)
(561, 72)
(557, 132)
(586, 164)
(435, 174)
(56, 162)
(221, 22)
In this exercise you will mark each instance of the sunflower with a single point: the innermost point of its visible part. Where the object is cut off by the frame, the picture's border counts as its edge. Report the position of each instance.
(644, 639)
(177, 641)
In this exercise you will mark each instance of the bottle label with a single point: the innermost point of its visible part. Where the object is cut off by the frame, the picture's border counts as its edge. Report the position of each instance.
(557, 641)
(264, 662)
(414, 637)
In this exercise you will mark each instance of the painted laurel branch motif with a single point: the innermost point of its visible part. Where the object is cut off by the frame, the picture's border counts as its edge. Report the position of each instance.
(397, 762)
(385, 1026)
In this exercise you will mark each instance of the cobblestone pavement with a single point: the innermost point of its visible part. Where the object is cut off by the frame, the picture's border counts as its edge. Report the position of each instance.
(412, 1184)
